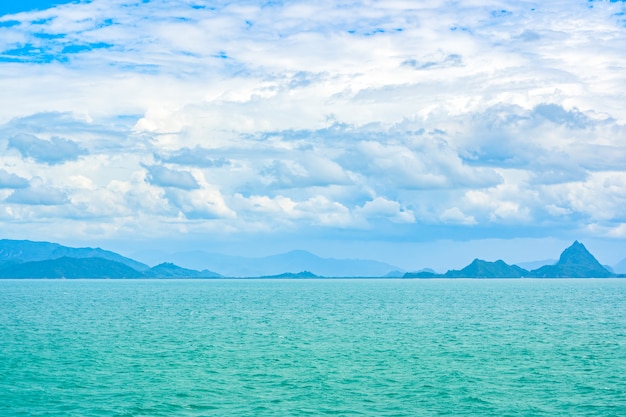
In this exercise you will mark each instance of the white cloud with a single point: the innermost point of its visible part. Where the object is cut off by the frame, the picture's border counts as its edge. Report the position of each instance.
(10, 180)
(455, 216)
(287, 213)
(490, 117)
(164, 177)
(206, 203)
(380, 207)
(38, 195)
(54, 151)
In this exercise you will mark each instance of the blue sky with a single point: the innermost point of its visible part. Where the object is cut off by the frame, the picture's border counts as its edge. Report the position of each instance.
(419, 133)
(12, 7)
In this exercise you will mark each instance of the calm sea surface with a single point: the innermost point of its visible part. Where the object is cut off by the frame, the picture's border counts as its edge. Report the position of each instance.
(313, 347)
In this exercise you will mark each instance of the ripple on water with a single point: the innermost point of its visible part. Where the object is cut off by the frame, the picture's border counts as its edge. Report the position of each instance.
(319, 347)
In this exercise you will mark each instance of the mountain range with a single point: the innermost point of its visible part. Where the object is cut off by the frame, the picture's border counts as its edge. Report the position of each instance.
(27, 259)
(575, 262)
(26, 251)
(293, 261)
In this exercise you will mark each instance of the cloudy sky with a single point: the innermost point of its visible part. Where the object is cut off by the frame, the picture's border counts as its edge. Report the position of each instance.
(421, 133)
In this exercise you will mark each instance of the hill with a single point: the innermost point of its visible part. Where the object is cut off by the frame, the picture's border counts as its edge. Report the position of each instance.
(20, 251)
(26, 259)
(575, 262)
(477, 269)
(67, 267)
(291, 275)
(484, 269)
(169, 270)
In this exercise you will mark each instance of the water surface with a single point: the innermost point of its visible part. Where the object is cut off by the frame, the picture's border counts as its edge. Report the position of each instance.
(312, 347)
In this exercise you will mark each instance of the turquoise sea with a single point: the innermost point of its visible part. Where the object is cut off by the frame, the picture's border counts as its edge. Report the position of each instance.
(313, 347)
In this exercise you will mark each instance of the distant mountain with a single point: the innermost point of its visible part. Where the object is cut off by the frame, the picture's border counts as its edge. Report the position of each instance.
(67, 267)
(477, 269)
(303, 274)
(484, 269)
(26, 250)
(169, 270)
(422, 274)
(393, 274)
(26, 259)
(23, 258)
(297, 260)
(575, 262)
(620, 267)
(536, 264)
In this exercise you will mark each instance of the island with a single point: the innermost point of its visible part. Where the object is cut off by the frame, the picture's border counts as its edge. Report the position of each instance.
(26, 259)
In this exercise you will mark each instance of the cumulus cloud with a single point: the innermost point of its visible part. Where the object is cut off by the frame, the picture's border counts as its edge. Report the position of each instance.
(320, 210)
(38, 195)
(201, 204)
(382, 208)
(54, 151)
(299, 115)
(440, 60)
(289, 213)
(308, 170)
(455, 215)
(197, 156)
(108, 132)
(164, 177)
(9, 180)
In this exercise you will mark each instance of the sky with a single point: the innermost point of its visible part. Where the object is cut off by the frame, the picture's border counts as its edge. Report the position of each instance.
(423, 134)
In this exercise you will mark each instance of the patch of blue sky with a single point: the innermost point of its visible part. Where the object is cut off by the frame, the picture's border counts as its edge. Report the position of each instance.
(271, 3)
(49, 36)
(460, 28)
(42, 21)
(105, 23)
(501, 13)
(17, 6)
(30, 53)
(220, 55)
(51, 53)
(374, 31)
(9, 23)
(132, 67)
(12, 7)
(187, 53)
(78, 48)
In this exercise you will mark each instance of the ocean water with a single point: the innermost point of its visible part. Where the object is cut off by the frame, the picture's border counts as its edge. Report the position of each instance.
(313, 347)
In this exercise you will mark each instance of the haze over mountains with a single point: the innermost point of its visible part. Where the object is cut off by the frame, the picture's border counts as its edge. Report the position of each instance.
(293, 261)
(26, 259)
(26, 250)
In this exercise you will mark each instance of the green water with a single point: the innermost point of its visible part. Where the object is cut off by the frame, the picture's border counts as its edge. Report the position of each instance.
(313, 347)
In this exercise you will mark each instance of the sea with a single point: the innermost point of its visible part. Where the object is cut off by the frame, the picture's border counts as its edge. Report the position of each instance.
(339, 347)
